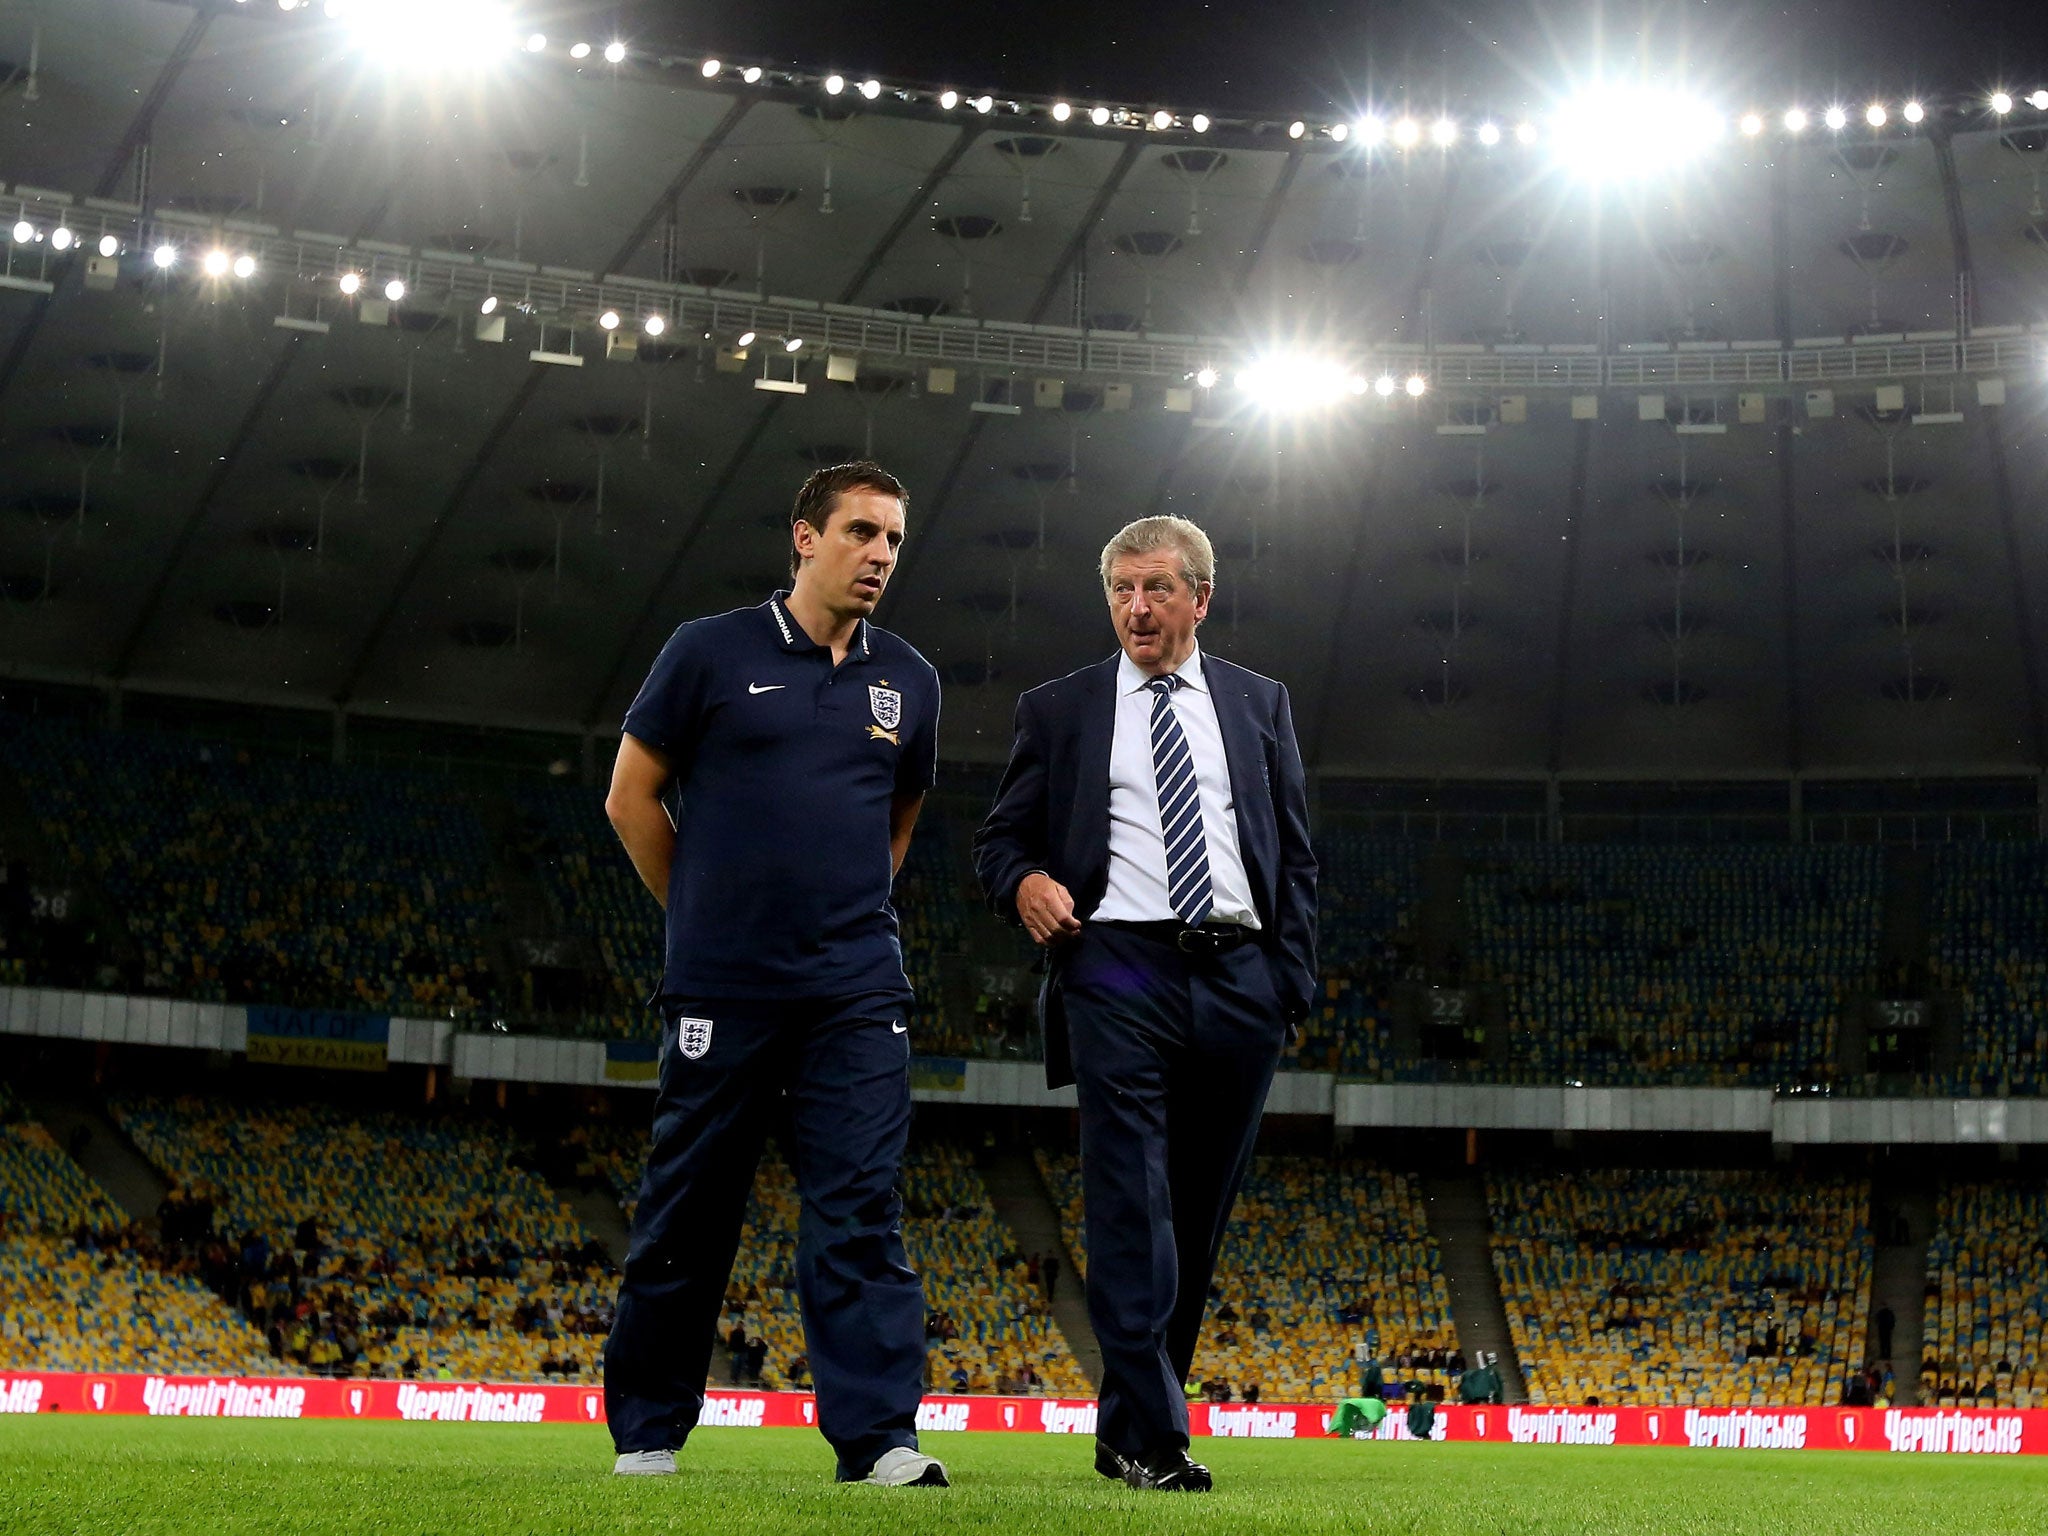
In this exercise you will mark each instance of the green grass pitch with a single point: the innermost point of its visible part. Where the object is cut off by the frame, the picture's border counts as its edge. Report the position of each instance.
(135, 1475)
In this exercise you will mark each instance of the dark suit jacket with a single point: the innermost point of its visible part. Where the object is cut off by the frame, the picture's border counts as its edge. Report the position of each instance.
(1052, 813)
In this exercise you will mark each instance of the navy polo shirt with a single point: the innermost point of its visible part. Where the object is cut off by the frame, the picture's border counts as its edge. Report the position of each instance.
(785, 770)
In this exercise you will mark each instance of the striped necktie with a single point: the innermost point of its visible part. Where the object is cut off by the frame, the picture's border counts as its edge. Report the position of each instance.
(1180, 808)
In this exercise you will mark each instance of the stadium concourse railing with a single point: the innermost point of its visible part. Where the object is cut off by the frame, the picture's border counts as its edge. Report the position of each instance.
(1954, 1431)
(361, 1040)
(568, 301)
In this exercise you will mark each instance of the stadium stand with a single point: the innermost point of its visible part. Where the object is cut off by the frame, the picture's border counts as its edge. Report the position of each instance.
(1369, 890)
(1683, 1287)
(385, 1245)
(1675, 965)
(1319, 1255)
(241, 878)
(1988, 933)
(1987, 1293)
(81, 1289)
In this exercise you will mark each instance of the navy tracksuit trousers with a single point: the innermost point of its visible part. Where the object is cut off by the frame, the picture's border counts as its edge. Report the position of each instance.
(1173, 1055)
(845, 1069)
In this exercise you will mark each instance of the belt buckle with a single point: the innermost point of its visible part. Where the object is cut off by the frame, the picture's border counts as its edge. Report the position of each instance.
(1193, 941)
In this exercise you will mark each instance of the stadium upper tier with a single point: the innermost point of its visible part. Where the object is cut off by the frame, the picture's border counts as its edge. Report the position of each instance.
(1674, 965)
(1987, 1296)
(1319, 1256)
(1683, 1287)
(216, 873)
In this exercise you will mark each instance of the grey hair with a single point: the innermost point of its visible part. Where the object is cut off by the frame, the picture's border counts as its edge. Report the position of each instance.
(1150, 534)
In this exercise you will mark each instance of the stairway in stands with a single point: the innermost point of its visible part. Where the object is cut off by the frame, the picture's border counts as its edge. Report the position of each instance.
(1458, 1222)
(1902, 1219)
(1022, 1204)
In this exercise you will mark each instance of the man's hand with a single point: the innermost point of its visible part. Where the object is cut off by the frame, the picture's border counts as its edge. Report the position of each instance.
(1046, 908)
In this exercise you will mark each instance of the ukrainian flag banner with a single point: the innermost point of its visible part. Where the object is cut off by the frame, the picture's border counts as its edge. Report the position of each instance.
(320, 1037)
(631, 1061)
(940, 1074)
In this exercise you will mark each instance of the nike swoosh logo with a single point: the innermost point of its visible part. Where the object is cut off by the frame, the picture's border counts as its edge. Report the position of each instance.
(765, 687)
(899, 1029)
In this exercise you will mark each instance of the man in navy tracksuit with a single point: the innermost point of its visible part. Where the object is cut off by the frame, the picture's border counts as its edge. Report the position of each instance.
(799, 741)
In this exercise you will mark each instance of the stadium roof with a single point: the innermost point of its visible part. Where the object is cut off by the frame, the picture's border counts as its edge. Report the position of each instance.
(1651, 514)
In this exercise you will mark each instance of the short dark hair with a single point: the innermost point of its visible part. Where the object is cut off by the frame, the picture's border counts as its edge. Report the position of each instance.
(821, 493)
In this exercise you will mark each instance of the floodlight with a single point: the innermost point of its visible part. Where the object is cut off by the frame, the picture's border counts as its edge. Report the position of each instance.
(109, 246)
(1407, 133)
(1619, 132)
(1383, 386)
(60, 239)
(615, 53)
(2038, 101)
(654, 325)
(751, 74)
(245, 266)
(1099, 116)
(580, 51)
(609, 319)
(2001, 102)
(537, 43)
(1795, 121)
(164, 256)
(834, 84)
(1525, 133)
(794, 344)
(1876, 115)
(1371, 131)
(1914, 112)
(1296, 129)
(1293, 382)
(983, 104)
(1752, 124)
(1199, 122)
(949, 99)
(710, 68)
(746, 339)
(871, 89)
(1417, 384)
(1356, 384)
(1162, 119)
(1443, 133)
(24, 232)
(1836, 119)
(351, 282)
(489, 305)
(1061, 111)
(1489, 134)
(1339, 132)
(216, 263)
(1206, 377)
(287, 5)
(395, 289)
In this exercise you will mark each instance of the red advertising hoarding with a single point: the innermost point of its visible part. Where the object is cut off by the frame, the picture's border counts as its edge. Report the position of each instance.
(1974, 1431)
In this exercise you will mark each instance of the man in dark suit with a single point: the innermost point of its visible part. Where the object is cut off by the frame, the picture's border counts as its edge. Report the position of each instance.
(1152, 832)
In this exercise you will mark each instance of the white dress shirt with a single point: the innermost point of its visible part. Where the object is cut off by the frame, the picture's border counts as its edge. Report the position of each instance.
(1137, 846)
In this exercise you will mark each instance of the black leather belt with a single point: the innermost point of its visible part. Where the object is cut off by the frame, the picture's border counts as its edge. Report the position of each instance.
(1215, 939)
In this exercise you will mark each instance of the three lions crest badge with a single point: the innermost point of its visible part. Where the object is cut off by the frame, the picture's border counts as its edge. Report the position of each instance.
(887, 704)
(693, 1038)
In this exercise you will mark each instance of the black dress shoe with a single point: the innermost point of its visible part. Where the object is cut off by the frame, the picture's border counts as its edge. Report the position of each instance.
(1169, 1470)
(1110, 1463)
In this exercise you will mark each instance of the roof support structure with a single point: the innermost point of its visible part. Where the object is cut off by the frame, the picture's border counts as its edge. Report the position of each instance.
(737, 459)
(521, 398)
(1788, 475)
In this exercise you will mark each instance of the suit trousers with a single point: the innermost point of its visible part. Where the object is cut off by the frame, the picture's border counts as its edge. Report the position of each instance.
(844, 1069)
(1173, 1055)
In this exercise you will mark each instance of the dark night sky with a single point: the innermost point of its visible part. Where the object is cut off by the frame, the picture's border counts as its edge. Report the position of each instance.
(1302, 55)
